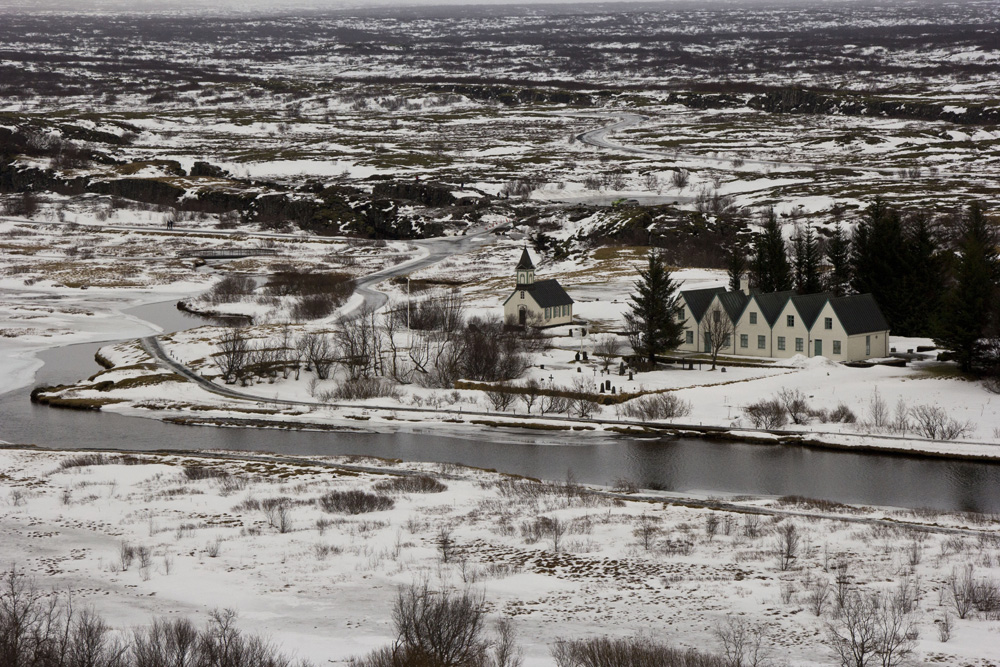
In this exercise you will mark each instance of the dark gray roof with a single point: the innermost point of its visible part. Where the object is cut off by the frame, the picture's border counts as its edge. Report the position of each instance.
(525, 261)
(772, 303)
(810, 306)
(734, 303)
(859, 314)
(547, 293)
(698, 300)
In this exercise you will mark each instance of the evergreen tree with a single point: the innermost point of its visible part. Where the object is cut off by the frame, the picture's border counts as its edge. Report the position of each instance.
(806, 252)
(838, 255)
(969, 305)
(923, 281)
(736, 265)
(770, 271)
(651, 321)
(879, 262)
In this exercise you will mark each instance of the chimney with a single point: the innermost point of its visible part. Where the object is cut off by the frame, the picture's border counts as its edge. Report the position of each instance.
(745, 285)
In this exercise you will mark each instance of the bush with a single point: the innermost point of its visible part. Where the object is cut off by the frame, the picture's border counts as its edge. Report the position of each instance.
(231, 288)
(362, 387)
(411, 484)
(355, 502)
(842, 414)
(666, 405)
(196, 472)
(766, 414)
(629, 652)
(314, 307)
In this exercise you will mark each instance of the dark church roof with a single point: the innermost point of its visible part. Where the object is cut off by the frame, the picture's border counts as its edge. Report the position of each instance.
(525, 261)
(698, 300)
(547, 293)
(859, 314)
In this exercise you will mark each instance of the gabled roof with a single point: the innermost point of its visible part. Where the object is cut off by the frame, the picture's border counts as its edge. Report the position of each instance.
(525, 261)
(772, 303)
(546, 293)
(859, 314)
(734, 303)
(810, 306)
(698, 300)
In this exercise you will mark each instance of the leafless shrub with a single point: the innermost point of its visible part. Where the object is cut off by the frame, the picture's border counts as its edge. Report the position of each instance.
(552, 405)
(435, 628)
(743, 642)
(212, 549)
(199, 472)
(231, 288)
(647, 530)
(445, 543)
(319, 353)
(411, 484)
(655, 407)
(624, 485)
(232, 355)
(944, 628)
(314, 307)
(628, 652)
(354, 502)
(711, 525)
(869, 629)
(277, 513)
(794, 402)
(751, 525)
(933, 422)
(679, 179)
(501, 398)
(544, 527)
(529, 394)
(842, 414)
(786, 545)
(766, 414)
(360, 388)
(98, 459)
(817, 594)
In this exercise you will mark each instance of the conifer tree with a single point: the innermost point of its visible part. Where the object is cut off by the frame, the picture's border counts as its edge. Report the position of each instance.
(923, 281)
(838, 255)
(736, 265)
(879, 263)
(651, 322)
(969, 305)
(806, 254)
(769, 269)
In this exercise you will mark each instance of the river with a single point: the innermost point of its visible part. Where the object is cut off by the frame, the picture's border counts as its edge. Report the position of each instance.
(685, 465)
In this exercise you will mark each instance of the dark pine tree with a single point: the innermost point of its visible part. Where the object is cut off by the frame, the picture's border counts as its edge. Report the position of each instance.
(769, 269)
(879, 262)
(736, 265)
(923, 281)
(969, 306)
(805, 249)
(651, 321)
(838, 255)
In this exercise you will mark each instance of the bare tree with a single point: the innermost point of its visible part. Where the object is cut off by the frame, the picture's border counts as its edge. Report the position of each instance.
(319, 352)
(607, 348)
(717, 330)
(743, 643)
(870, 629)
(679, 179)
(233, 354)
(786, 545)
(529, 396)
(647, 530)
(440, 628)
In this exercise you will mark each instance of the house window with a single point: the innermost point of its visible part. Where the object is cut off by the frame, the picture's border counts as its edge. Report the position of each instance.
(790, 320)
(716, 315)
(680, 313)
(548, 313)
(868, 346)
(828, 323)
(781, 342)
(744, 340)
(522, 294)
(836, 347)
(799, 345)
(761, 342)
(726, 342)
(689, 337)
(753, 318)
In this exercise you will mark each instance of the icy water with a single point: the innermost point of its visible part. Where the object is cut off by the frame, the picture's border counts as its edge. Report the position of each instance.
(682, 465)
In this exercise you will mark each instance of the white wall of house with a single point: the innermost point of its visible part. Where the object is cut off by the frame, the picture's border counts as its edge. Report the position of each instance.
(690, 326)
(753, 331)
(868, 346)
(796, 336)
(829, 337)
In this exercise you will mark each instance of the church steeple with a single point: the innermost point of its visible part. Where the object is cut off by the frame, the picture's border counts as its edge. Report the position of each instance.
(525, 269)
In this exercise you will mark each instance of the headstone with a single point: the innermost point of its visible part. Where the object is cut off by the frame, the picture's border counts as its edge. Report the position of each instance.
(579, 369)
(612, 391)
(578, 356)
(630, 375)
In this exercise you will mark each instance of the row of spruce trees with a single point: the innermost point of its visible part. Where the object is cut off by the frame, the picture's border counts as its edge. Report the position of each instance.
(931, 278)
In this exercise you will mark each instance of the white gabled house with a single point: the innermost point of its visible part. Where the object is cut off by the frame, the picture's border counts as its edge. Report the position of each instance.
(542, 304)
(784, 324)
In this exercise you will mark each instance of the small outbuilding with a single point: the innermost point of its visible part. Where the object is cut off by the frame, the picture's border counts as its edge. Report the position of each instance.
(540, 303)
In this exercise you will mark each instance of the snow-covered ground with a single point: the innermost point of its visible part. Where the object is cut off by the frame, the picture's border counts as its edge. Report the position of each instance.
(323, 589)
